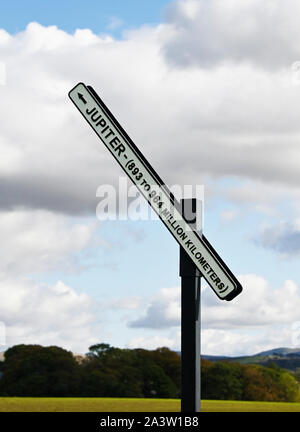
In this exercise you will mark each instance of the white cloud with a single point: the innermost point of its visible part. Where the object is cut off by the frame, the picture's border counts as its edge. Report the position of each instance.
(163, 311)
(44, 314)
(36, 241)
(260, 318)
(273, 200)
(2, 73)
(238, 342)
(283, 237)
(260, 194)
(266, 33)
(233, 118)
(259, 305)
(238, 117)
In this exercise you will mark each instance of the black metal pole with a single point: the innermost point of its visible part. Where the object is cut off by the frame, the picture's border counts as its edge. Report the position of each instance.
(190, 330)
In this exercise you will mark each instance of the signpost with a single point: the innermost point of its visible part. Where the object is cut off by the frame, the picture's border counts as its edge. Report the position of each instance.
(190, 323)
(197, 248)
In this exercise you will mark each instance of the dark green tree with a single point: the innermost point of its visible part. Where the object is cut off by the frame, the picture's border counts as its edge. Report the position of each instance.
(170, 362)
(135, 373)
(33, 370)
(222, 380)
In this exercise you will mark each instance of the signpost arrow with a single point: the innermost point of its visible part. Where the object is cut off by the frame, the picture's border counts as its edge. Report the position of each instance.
(80, 96)
(212, 268)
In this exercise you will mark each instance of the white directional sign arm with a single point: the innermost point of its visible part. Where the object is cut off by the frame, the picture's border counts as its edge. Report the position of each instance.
(213, 269)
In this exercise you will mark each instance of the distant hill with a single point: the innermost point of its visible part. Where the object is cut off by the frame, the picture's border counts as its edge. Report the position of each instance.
(216, 358)
(281, 351)
(287, 358)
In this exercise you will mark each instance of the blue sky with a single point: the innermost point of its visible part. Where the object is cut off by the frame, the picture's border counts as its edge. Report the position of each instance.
(98, 15)
(207, 106)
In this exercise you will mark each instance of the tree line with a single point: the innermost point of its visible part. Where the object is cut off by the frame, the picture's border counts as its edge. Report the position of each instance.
(36, 371)
(251, 382)
(106, 371)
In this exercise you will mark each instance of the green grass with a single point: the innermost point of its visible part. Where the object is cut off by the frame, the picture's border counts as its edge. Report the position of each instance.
(88, 405)
(242, 406)
(11, 404)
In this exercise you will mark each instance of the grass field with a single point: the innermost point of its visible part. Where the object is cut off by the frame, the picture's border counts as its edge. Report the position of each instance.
(134, 405)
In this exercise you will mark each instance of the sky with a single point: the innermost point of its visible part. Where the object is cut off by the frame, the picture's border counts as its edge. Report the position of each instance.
(209, 92)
